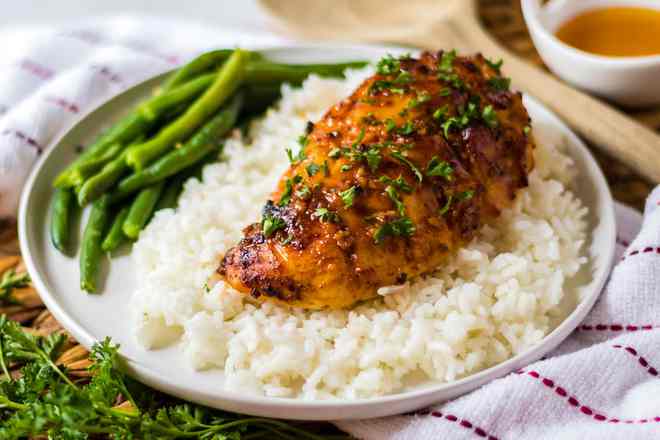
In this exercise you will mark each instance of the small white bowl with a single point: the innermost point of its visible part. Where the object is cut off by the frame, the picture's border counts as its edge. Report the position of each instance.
(629, 81)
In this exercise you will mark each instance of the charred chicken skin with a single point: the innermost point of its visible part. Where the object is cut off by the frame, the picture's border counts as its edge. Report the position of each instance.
(387, 184)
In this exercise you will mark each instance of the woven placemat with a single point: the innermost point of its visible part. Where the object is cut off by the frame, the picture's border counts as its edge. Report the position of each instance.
(504, 19)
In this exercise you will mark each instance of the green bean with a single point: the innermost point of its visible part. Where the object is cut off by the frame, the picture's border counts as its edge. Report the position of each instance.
(227, 81)
(115, 236)
(124, 132)
(141, 210)
(92, 165)
(174, 185)
(96, 185)
(60, 219)
(203, 142)
(170, 196)
(201, 64)
(91, 252)
(268, 72)
(158, 105)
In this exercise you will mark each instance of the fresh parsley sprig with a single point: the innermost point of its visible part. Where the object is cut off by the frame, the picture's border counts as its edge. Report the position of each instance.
(40, 402)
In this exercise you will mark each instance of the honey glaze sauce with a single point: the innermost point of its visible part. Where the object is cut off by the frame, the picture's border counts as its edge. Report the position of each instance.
(614, 31)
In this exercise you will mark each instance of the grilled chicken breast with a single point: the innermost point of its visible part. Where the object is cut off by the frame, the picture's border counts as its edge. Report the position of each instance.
(387, 184)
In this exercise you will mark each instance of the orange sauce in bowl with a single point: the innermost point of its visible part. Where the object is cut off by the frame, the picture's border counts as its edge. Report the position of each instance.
(614, 31)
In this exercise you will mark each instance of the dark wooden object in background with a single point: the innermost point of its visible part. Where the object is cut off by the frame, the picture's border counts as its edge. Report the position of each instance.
(503, 18)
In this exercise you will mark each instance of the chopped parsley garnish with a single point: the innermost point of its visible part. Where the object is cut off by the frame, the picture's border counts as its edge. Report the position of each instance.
(399, 183)
(334, 153)
(304, 192)
(447, 61)
(359, 139)
(288, 190)
(271, 224)
(394, 196)
(489, 116)
(324, 167)
(445, 92)
(379, 85)
(373, 158)
(448, 124)
(348, 196)
(440, 168)
(344, 168)
(445, 208)
(389, 125)
(500, 83)
(495, 65)
(402, 227)
(421, 98)
(527, 129)
(465, 116)
(298, 157)
(312, 169)
(441, 112)
(403, 78)
(401, 158)
(303, 140)
(388, 65)
(325, 215)
(407, 129)
(466, 195)
(452, 79)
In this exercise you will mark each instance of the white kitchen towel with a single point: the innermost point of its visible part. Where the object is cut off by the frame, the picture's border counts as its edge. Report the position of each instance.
(50, 77)
(601, 383)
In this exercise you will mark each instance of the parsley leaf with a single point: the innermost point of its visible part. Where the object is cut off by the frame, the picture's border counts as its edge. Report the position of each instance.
(445, 208)
(447, 61)
(441, 168)
(489, 116)
(401, 158)
(394, 196)
(303, 192)
(448, 124)
(325, 215)
(402, 227)
(288, 190)
(373, 157)
(388, 65)
(399, 183)
(495, 64)
(407, 129)
(499, 83)
(348, 196)
(466, 195)
(359, 139)
(271, 224)
(441, 112)
(312, 169)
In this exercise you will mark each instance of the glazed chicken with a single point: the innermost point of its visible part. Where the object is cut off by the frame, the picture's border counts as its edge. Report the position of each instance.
(387, 184)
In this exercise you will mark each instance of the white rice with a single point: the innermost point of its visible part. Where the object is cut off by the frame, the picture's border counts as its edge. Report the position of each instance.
(494, 299)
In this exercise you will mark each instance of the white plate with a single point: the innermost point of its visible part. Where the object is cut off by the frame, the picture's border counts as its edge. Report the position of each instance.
(90, 318)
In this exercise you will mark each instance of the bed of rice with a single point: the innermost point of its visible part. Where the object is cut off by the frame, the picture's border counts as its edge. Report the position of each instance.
(494, 299)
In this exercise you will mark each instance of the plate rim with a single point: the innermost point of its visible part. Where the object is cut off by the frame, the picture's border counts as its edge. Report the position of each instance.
(348, 408)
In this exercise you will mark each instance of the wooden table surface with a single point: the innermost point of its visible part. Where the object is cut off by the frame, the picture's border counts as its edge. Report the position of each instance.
(504, 19)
